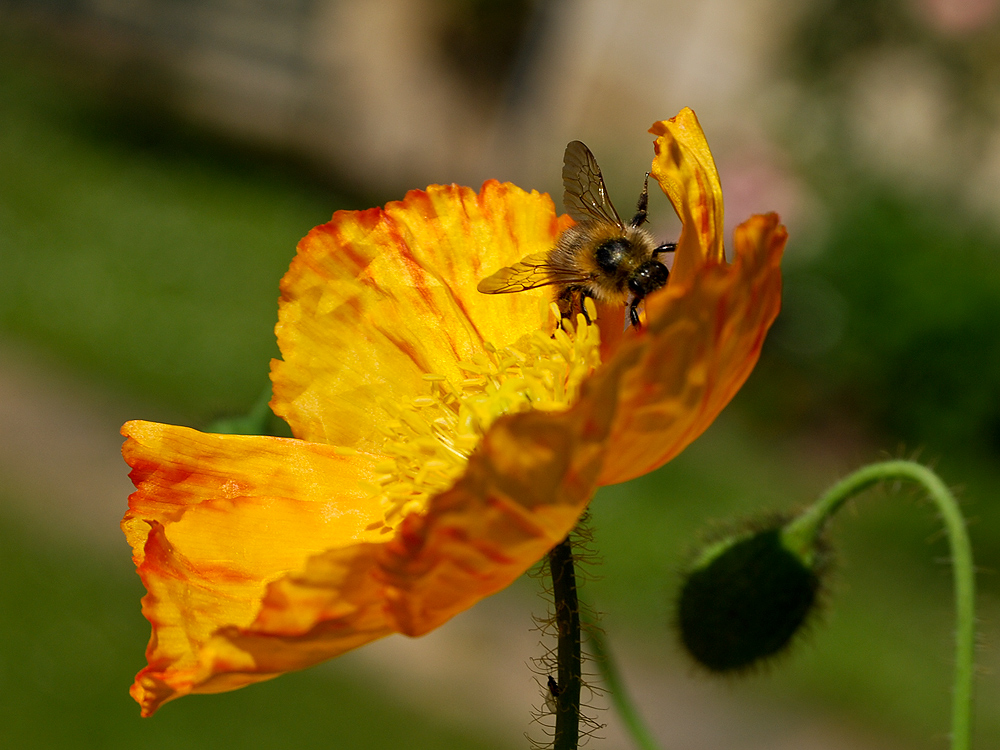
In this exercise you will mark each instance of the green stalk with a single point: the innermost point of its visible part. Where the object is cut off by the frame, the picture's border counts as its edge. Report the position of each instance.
(801, 534)
(254, 422)
(626, 709)
(568, 658)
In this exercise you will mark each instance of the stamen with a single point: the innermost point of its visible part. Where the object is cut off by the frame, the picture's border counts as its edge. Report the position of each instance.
(428, 441)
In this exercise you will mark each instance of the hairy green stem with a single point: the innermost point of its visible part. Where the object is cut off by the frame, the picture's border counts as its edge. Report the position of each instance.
(568, 675)
(800, 536)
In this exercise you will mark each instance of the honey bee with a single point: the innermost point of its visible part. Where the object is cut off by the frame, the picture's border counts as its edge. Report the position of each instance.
(600, 257)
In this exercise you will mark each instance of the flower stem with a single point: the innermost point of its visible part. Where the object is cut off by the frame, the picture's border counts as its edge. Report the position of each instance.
(568, 676)
(800, 535)
(254, 422)
(627, 710)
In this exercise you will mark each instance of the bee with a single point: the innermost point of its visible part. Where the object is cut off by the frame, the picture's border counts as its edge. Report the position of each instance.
(600, 257)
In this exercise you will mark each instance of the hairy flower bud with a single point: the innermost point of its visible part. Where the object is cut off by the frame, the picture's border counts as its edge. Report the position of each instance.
(745, 597)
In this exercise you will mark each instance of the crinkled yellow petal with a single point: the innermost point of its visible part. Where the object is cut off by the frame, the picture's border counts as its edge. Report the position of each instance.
(686, 171)
(699, 345)
(218, 627)
(522, 494)
(214, 520)
(375, 299)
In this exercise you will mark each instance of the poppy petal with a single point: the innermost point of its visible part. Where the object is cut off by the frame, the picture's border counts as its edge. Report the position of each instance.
(686, 171)
(214, 519)
(700, 344)
(522, 493)
(376, 299)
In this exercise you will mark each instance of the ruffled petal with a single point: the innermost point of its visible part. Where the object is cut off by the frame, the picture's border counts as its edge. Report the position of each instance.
(686, 171)
(700, 344)
(214, 520)
(375, 299)
(522, 493)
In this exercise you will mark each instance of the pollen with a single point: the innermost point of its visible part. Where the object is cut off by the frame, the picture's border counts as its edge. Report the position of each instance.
(429, 440)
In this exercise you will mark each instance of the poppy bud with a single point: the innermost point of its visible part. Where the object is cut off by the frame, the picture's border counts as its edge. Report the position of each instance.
(745, 597)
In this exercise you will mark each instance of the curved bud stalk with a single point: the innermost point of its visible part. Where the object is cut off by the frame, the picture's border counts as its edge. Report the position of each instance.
(803, 532)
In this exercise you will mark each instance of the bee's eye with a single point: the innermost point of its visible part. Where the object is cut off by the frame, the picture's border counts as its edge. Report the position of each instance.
(610, 254)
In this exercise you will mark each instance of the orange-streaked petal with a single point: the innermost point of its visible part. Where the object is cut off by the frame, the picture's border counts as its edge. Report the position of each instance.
(686, 171)
(523, 492)
(375, 299)
(215, 519)
(700, 344)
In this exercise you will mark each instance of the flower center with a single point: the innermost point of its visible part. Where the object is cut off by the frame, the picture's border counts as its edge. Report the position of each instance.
(428, 441)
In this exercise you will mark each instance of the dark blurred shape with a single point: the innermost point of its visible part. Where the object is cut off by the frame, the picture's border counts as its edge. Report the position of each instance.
(833, 30)
(481, 39)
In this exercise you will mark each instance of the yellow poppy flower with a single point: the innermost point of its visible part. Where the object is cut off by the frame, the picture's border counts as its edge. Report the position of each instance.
(445, 441)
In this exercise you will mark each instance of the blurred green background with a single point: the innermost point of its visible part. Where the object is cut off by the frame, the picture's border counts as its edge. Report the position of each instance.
(142, 237)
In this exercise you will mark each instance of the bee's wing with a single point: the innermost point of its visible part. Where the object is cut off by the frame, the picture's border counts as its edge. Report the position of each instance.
(586, 198)
(530, 272)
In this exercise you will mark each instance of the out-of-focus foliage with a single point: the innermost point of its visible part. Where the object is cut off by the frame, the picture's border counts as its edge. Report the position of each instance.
(831, 34)
(895, 322)
(892, 319)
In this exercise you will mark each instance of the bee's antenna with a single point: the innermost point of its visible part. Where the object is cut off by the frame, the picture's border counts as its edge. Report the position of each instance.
(640, 208)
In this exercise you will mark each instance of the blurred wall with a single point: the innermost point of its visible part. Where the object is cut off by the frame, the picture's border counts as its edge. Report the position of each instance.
(396, 94)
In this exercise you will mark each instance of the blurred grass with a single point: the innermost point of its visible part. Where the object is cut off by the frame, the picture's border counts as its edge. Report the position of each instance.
(150, 259)
(140, 253)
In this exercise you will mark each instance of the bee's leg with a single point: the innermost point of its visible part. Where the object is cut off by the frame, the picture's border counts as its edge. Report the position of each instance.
(640, 208)
(666, 247)
(633, 313)
(567, 300)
